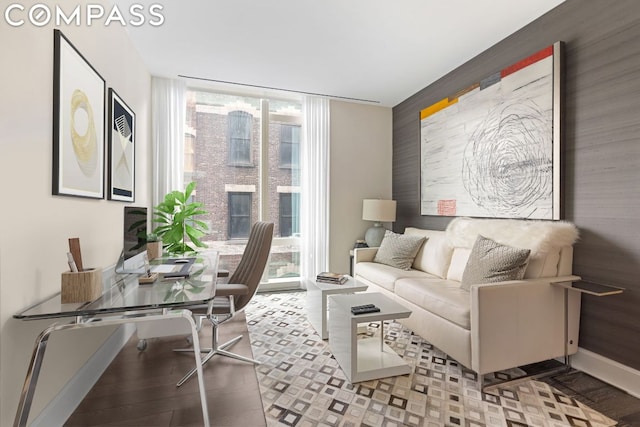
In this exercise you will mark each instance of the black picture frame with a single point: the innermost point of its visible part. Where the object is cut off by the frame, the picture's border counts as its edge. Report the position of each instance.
(121, 136)
(78, 123)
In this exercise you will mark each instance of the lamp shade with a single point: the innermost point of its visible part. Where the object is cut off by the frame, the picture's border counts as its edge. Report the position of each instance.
(379, 210)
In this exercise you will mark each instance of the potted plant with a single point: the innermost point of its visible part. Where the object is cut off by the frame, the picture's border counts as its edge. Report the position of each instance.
(179, 228)
(154, 246)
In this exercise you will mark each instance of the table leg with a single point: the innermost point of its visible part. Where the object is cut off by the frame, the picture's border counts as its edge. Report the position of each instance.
(33, 372)
(567, 361)
(29, 387)
(196, 352)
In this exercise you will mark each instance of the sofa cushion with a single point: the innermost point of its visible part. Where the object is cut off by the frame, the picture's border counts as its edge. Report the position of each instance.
(492, 262)
(459, 260)
(435, 254)
(384, 275)
(439, 296)
(398, 250)
(543, 264)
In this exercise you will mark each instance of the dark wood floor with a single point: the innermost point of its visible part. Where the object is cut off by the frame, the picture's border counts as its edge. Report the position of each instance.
(138, 389)
(598, 395)
(608, 400)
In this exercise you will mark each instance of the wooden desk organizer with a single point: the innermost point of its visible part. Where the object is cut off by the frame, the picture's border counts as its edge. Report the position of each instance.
(82, 286)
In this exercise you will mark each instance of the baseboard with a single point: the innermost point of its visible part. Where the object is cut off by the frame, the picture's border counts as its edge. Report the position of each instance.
(607, 370)
(67, 400)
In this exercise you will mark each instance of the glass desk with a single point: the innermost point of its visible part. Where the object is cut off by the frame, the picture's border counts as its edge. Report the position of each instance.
(125, 301)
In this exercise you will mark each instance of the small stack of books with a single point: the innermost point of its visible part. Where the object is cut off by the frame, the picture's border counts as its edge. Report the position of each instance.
(333, 278)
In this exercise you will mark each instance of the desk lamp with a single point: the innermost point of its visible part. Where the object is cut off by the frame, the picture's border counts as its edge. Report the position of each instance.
(378, 211)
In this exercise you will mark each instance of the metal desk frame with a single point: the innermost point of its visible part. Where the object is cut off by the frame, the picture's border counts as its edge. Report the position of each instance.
(95, 314)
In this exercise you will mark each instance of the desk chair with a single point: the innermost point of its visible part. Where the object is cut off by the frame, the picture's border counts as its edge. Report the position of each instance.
(232, 297)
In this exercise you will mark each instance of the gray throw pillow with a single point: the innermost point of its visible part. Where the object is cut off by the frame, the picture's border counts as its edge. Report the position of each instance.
(398, 250)
(491, 262)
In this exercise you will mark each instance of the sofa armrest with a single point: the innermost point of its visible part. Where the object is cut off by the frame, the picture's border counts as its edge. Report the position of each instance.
(364, 254)
(518, 322)
(528, 282)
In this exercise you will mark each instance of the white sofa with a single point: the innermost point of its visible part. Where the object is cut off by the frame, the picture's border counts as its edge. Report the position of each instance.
(492, 326)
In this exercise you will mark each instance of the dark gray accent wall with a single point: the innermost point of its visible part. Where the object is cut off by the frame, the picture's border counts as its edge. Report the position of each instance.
(601, 153)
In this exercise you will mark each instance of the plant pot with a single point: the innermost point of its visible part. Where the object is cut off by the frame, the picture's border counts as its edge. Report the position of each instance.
(154, 250)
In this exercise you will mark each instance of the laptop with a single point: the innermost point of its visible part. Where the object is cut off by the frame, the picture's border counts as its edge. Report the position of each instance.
(174, 267)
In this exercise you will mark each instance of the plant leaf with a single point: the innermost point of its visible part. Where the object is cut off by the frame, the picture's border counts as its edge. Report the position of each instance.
(193, 233)
(190, 187)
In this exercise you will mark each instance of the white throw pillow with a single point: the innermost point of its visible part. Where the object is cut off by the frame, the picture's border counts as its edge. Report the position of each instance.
(398, 250)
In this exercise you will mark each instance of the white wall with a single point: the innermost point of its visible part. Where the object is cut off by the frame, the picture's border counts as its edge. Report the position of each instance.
(360, 163)
(34, 225)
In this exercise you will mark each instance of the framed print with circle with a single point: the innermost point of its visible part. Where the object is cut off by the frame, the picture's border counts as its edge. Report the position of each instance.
(122, 124)
(78, 123)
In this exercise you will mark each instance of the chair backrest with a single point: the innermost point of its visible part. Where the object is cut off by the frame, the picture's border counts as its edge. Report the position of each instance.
(253, 261)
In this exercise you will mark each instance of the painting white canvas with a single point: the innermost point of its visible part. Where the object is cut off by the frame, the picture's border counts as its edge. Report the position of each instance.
(490, 151)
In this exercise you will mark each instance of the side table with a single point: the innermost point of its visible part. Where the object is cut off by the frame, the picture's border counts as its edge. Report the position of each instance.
(317, 293)
(583, 287)
(367, 358)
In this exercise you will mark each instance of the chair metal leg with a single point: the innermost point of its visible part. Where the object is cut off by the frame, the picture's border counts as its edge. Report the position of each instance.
(237, 357)
(216, 349)
(190, 350)
(229, 343)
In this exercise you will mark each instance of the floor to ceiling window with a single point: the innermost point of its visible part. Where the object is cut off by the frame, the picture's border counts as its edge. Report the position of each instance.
(243, 152)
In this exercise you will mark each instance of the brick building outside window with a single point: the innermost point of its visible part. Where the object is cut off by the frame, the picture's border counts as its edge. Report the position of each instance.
(223, 154)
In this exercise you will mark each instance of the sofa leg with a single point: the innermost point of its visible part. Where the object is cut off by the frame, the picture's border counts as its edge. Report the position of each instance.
(492, 388)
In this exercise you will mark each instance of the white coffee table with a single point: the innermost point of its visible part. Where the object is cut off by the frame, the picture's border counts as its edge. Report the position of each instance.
(369, 358)
(317, 293)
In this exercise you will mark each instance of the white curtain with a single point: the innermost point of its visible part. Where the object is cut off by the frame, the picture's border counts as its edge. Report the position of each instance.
(168, 109)
(314, 197)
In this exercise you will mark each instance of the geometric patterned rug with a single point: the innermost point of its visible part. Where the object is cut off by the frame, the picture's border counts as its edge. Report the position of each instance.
(302, 385)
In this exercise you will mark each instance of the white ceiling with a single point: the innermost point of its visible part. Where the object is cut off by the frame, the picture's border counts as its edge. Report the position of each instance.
(373, 50)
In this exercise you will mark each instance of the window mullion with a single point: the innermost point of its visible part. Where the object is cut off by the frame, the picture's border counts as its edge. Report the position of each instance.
(263, 212)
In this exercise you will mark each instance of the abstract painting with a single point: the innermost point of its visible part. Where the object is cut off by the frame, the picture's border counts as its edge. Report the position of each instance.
(78, 123)
(122, 121)
(493, 149)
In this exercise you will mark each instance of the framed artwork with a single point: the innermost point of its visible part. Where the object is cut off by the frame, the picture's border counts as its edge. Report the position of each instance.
(78, 123)
(122, 125)
(493, 149)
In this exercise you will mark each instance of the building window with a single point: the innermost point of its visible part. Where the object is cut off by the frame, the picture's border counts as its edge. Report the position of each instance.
(239, 215)
(289, 146)
(239, 132)
(289, 209)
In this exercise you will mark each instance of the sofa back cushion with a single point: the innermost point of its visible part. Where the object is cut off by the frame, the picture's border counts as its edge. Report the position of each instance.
(435, 255)
(540, 265)
(459, 259)
(549, 241)
(543, 264)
